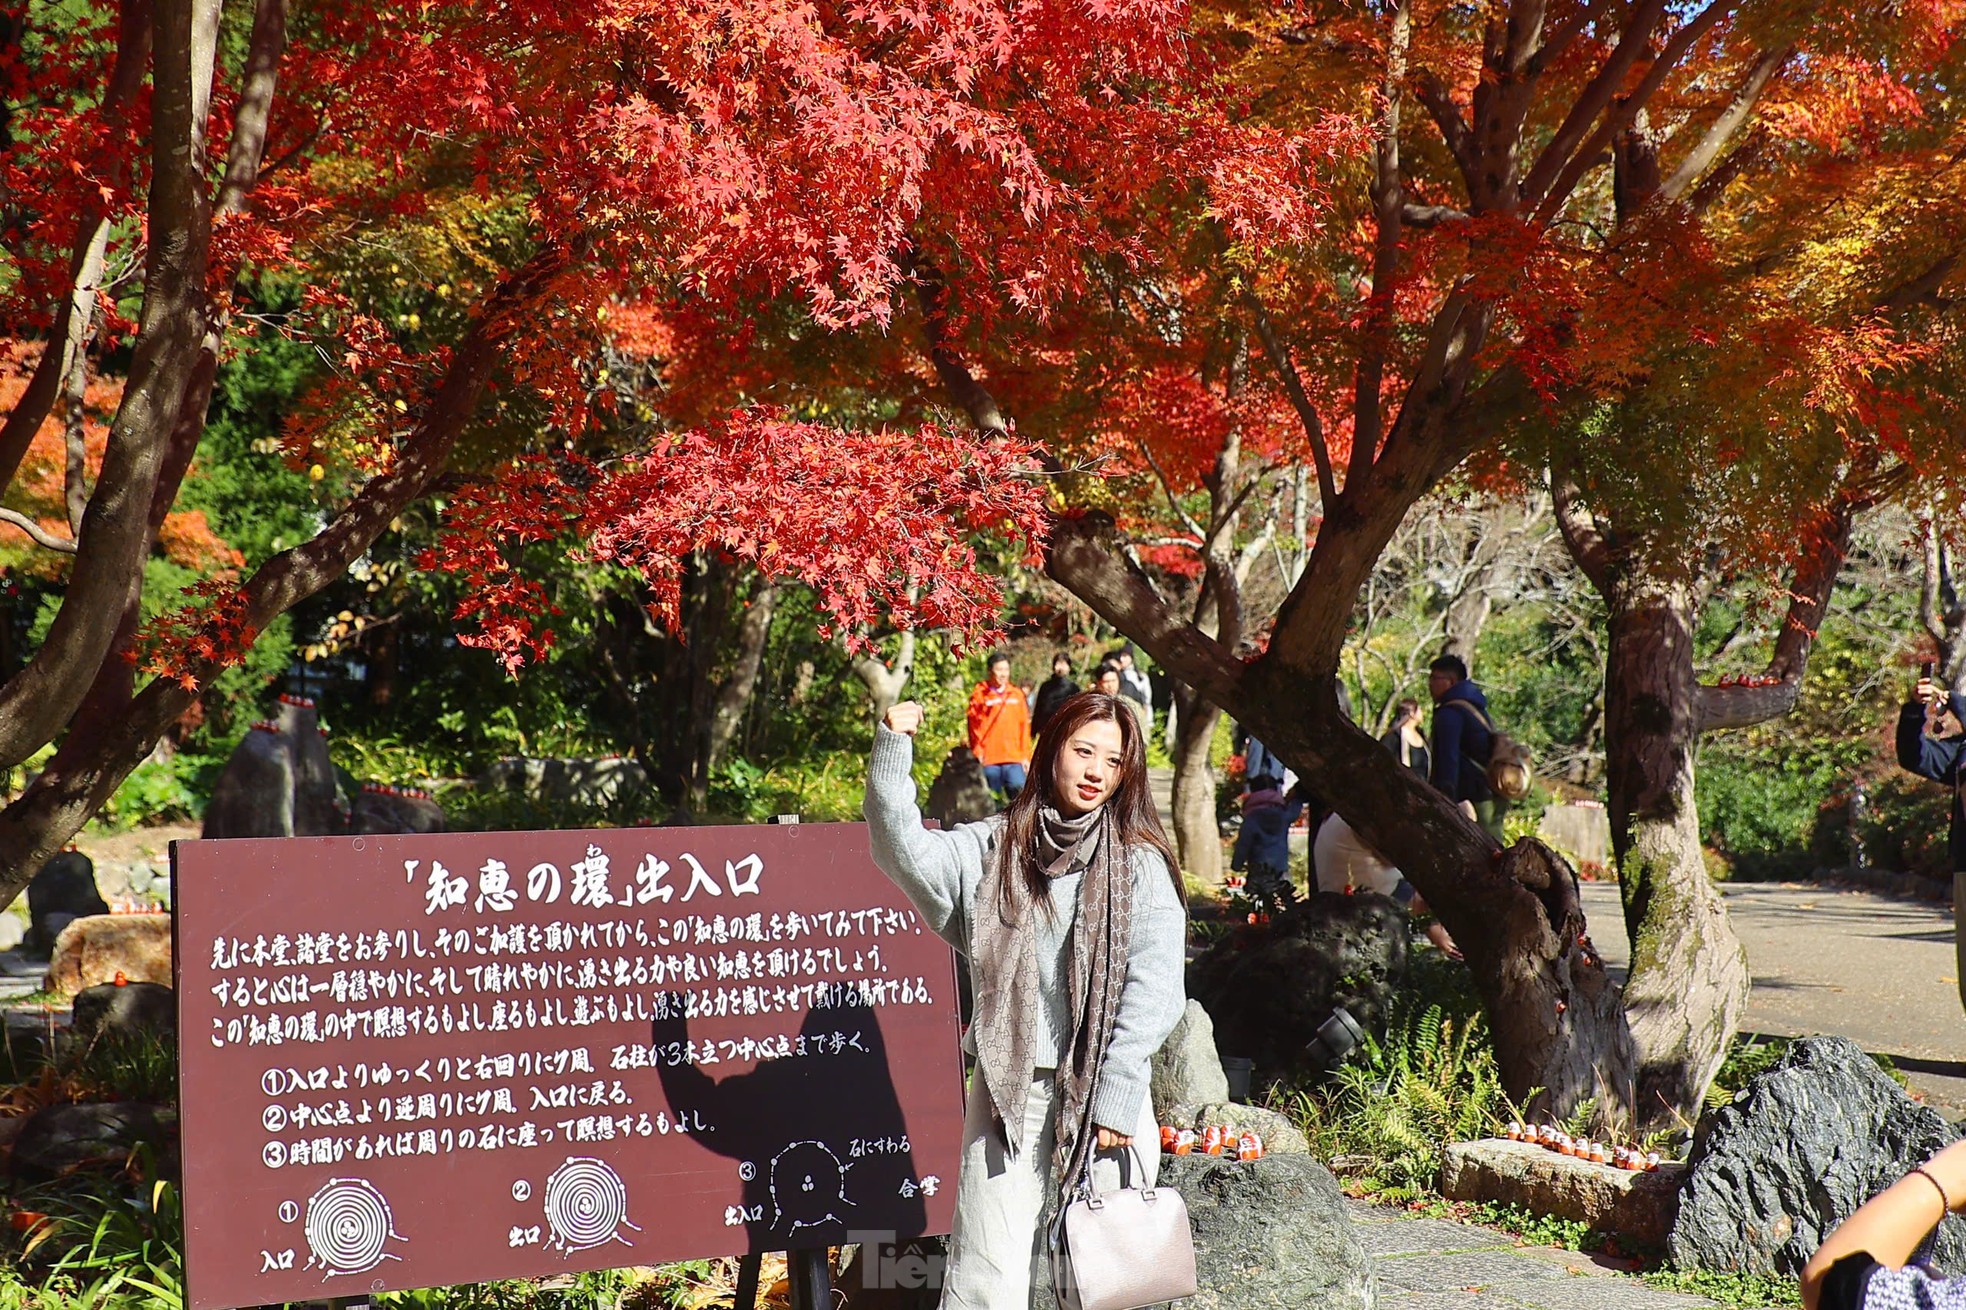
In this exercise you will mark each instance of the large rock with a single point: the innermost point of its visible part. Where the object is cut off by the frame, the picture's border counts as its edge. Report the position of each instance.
(254, 795)
(959, 793)
(279, 781)
(1269, 987)
(1636, 1207)
(597, 781)
(62, 892)
(59, 1138)
(133, 1010)
(1795, 1154)
(380, 809)
(1280, 1136)
(1582, 832)
(318, 805)
(1187, 1070)
(95, 950)
(1270, 1232)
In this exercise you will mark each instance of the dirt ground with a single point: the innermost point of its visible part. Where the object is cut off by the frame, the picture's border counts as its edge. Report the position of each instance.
(122, 847)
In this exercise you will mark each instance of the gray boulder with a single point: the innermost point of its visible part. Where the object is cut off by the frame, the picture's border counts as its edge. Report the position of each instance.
(59, 1138)
(1187, 1070)
(1795, 1154)
(63, 891)
(1280, 1136)
(317, 803)
(584, 781)
(379, 809)
(1270, 1232)
(254, 795)
(133, 1010)
(959, 794)
(1268, 987)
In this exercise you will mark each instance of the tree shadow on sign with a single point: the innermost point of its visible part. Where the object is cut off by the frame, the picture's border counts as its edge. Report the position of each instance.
(819, 1139)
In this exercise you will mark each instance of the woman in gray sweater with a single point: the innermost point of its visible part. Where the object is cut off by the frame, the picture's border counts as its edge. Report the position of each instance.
(1069, 910)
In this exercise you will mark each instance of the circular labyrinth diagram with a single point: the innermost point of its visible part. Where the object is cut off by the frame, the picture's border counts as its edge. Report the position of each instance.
(808, 1187)
(586, 1205)
(348, 1221)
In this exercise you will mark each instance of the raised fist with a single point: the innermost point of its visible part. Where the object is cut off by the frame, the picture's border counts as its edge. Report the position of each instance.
(904, 718)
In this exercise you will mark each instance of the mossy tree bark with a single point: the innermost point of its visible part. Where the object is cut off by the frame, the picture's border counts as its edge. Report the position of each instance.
(1689, 978)
(1689, 973)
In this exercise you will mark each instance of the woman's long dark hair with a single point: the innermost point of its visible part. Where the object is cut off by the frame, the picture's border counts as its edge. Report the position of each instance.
(1131, 801)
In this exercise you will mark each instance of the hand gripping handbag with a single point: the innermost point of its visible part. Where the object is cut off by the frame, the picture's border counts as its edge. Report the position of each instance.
(1122, 1249)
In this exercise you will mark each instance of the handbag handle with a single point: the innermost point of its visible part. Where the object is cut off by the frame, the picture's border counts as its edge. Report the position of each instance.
(1090, 1189)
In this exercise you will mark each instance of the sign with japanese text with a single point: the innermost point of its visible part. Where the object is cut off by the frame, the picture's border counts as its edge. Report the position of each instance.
(410, 1061)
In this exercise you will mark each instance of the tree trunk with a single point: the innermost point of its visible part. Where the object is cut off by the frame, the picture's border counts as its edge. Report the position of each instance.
(1552, 1008)
(1689, 976)
(734, 696)
(885, 682)
(1197, 836)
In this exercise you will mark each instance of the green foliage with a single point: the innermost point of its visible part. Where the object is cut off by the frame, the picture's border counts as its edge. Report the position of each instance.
(1750, 1055)
(1748, 1291)
(1431, 1081)
(1904, 826)
(161, 790)
(1535, 1229)
(123, 1066)
(114, 1241)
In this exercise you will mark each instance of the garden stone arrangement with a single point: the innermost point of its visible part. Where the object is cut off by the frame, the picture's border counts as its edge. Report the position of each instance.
(1796, 1153)
(1269, 987)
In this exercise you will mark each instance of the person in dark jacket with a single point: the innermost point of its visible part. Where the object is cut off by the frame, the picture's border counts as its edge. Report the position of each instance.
(1054, 691)
(1932, 744)
(1463, 742)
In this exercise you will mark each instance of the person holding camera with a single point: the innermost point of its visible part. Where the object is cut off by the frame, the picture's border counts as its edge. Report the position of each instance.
(1932, 744)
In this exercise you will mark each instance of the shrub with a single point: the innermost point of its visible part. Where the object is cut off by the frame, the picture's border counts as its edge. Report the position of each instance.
(1431, 1081)
(1905, 823)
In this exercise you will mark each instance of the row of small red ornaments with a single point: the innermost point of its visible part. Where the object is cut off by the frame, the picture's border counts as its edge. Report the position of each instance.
(1550, 1139)
(1212, 1140)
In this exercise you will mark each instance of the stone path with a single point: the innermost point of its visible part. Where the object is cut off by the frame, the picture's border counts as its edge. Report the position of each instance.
(1434, 1264)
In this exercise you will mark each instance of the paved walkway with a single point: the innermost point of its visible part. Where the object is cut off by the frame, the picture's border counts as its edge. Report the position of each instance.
(1433, 1264)
(1877, 969)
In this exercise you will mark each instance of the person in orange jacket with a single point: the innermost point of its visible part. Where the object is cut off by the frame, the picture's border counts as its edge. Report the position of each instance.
(1000, 729)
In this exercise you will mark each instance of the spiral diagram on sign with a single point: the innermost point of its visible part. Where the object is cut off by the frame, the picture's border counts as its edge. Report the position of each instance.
(348, 1221)
(586, 1205)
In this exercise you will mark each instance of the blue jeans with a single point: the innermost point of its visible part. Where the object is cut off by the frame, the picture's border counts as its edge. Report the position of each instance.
(1004, 779)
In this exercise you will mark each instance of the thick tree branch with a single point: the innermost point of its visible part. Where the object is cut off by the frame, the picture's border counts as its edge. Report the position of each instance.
(1596, 97)
(75, 310)
(93, 761)
(975, 400)
(1731, 121)
(1293, 387)
(1428, 216)
(1436, 99)
(1388, 197)
(1581, 534)
(1547, 202)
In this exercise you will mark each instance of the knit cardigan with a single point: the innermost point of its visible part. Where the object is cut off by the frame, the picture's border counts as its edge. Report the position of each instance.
(940, 873)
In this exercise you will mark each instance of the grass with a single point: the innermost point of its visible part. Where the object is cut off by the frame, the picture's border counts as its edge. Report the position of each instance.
(1745, 1290)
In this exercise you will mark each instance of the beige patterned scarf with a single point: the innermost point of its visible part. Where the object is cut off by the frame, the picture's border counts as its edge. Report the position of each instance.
(1006, 976)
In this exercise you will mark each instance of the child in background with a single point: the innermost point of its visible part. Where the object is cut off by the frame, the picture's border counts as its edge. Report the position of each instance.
(1263, 844)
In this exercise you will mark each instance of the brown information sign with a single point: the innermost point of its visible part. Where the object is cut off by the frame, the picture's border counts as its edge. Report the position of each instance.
(422, 1060)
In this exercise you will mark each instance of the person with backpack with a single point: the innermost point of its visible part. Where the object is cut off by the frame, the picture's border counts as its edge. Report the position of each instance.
(1464, 743)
